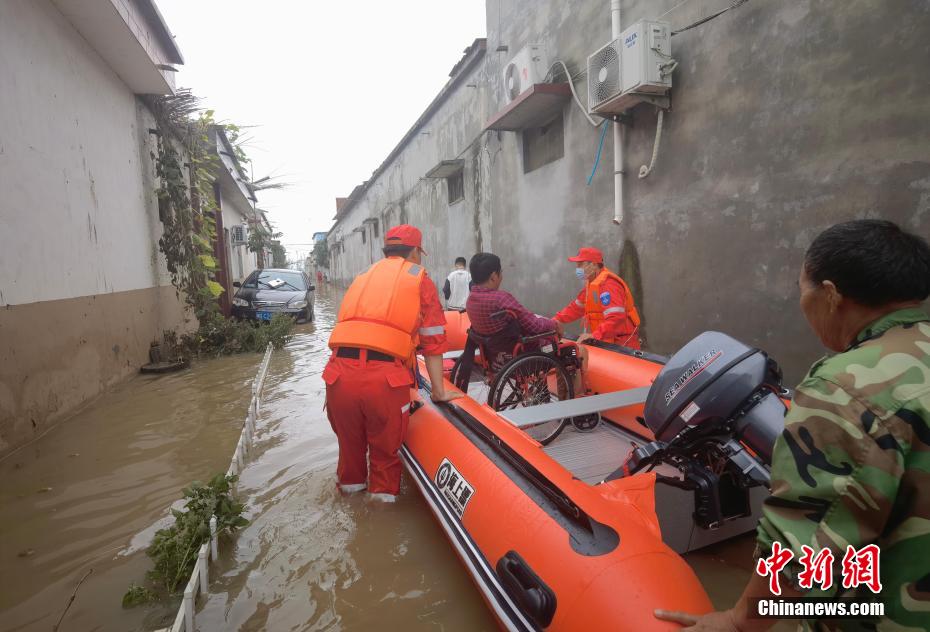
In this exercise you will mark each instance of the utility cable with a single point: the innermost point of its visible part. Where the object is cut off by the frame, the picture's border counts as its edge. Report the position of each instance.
(644, 170)
(709, 17)
(597, 159)
(571, 85)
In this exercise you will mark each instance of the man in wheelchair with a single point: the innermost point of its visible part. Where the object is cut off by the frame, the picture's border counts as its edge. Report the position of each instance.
(523, 358)
(499, 318)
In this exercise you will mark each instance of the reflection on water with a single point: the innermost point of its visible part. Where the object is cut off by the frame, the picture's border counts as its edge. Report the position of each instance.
(309, 560)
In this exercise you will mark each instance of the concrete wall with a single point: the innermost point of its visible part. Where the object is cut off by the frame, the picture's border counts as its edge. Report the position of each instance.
(402, 194)
(83, 287)
(787, 117)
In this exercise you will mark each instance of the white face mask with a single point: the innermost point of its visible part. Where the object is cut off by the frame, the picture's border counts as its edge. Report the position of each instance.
(579, 272)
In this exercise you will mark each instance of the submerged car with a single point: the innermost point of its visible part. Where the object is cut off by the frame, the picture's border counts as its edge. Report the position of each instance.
(274, 291)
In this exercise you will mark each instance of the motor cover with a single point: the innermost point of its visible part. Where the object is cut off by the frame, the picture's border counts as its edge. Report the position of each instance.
(713, 380)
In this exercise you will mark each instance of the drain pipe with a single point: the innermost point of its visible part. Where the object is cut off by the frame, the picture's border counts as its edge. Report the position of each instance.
(615, 31)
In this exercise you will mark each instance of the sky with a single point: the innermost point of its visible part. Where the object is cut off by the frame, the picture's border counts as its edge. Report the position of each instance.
(330, 88)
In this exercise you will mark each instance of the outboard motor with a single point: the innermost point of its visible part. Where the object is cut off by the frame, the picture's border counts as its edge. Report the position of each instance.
(716, 410)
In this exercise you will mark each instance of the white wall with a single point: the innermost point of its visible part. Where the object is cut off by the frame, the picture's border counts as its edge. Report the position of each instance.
(236, 210)
(75, 216)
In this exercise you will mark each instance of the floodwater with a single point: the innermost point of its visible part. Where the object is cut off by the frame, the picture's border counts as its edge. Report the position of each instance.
(90, 494)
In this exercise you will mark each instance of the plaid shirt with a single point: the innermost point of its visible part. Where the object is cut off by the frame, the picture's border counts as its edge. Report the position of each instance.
(482, 302)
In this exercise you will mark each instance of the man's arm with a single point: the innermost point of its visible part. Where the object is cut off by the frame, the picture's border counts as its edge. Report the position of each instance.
(739, 618)
(573, 311)
(530, 324)
(433, 343)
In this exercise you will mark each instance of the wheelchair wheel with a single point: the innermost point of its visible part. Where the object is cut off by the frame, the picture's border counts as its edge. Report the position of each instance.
(528, 380)
(586, 423)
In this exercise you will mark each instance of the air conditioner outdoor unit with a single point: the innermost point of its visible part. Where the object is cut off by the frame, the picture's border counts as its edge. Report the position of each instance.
(240, 234)
(631, 68)
(529, 66)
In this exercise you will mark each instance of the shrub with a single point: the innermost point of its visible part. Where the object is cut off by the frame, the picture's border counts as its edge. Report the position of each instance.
(174, 549)
(218, 335)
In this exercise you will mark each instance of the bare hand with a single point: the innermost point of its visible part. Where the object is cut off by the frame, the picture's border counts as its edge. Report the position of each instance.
(445, 396)
(724, 621)
(559, 329)
(583, 337)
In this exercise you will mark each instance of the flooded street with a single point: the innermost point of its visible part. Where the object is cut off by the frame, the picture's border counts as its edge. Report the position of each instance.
(313, 560)
(90, 493)
(86, 495)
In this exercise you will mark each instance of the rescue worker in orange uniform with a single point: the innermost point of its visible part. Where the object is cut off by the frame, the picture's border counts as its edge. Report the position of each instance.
(390, 312)
(605, 303)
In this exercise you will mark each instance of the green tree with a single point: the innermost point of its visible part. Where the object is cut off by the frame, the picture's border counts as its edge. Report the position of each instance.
(321, 254)
(278, 255)
(260, 240)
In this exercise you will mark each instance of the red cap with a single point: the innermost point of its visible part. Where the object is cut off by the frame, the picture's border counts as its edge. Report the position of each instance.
(404, 235)
(588, 254)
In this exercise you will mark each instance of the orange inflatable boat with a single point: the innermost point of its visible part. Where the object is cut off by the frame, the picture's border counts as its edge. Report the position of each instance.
(659, 457)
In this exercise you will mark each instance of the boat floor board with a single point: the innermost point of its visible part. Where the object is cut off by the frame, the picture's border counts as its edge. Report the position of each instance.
(478, 391)
(592, 456)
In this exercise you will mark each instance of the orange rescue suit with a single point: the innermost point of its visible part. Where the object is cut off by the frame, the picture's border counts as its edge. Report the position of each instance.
(616, 321)
(381, 309)
(595, 310)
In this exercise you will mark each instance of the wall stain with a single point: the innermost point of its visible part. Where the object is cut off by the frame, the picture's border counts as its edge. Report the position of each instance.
(476, 217)
(93, 191)
(628, 268)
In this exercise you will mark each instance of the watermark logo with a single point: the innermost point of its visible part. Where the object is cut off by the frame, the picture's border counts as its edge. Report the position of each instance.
(859, 567)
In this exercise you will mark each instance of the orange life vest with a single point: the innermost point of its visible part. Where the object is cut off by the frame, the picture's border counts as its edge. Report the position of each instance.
(381, 309)
(594, 309)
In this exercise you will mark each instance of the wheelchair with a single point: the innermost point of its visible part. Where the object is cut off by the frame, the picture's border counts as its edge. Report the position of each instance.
(525, 371)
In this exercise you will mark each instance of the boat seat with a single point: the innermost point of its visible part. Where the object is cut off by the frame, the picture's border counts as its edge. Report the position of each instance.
(569, 408)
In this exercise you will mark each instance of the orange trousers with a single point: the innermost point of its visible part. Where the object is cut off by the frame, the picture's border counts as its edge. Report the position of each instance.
(368, 405)
(630, 340)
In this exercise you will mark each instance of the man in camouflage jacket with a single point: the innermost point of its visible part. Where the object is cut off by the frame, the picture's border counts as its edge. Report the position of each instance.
(853, 466)
(852, 469)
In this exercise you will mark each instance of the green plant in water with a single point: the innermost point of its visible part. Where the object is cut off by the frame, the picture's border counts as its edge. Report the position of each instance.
(174, 549)
(221, 336)
(138, 595)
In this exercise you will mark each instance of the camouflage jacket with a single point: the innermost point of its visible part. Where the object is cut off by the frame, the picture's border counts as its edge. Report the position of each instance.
(853, 468)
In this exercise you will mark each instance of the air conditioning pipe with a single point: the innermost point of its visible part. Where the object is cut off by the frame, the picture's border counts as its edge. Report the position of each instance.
(616, 30)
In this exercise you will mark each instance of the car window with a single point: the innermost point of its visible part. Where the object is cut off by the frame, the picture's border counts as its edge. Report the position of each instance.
(279, 280)
(250, 281)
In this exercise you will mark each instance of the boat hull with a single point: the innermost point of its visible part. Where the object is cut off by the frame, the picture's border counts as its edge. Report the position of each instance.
(596, 549)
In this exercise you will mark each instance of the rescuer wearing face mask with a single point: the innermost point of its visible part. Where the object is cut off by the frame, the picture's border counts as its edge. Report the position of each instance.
(605, 303)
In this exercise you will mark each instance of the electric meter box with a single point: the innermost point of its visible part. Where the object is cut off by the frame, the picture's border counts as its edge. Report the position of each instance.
(645, 57)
